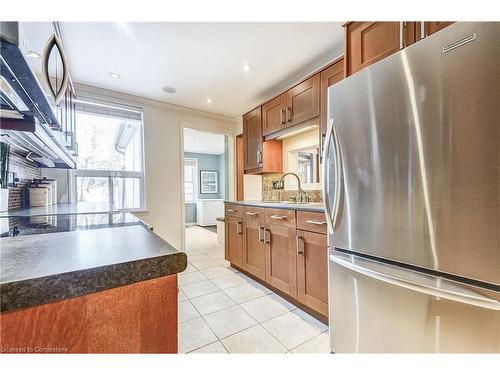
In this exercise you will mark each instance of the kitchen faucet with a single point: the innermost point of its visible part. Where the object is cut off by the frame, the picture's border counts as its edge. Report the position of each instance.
(301, 194)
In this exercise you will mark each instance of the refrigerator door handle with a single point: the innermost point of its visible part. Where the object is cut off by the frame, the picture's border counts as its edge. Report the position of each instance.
(331, 215)
(326, 148)
(454, 292)
(338, 176)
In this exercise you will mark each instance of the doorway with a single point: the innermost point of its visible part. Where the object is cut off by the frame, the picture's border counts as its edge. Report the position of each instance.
(206, 185)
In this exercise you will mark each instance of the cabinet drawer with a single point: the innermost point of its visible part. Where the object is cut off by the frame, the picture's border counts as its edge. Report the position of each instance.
(233, 210)
(284, 218)
(312, 221)
(250, 213)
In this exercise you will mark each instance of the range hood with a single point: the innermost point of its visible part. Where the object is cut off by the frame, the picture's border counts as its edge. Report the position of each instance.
(27, 120)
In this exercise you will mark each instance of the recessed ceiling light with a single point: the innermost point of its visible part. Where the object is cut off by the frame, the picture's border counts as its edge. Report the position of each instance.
(209, 100)
(247, 67)
(169, 89)
(114, 75)
(33, 54)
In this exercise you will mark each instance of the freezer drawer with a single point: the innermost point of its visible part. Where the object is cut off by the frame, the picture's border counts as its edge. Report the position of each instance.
(380, 308)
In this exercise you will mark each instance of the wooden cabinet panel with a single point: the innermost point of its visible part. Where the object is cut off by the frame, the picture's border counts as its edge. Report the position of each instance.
(240, 168)
(329, 76)
(252, 139)
(312, 221)
(273, 115)
(281, 260)
(303, 101)
(312, 271)
(369, 42)
(233, 249)
(254, 255)
(435, 26)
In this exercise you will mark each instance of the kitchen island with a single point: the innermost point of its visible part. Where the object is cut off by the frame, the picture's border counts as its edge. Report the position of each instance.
(87, 283)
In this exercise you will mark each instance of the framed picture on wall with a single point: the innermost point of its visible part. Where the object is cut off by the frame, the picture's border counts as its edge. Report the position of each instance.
(208, 182)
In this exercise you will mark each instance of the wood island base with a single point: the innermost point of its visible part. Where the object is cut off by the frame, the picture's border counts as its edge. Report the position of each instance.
(137, 318)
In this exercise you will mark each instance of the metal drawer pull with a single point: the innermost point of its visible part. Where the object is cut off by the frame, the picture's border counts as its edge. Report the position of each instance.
(251, 213)
(278, 217)
(267, 240)
(299, 240)
(261, 234)
(316, 222)
(239, 229)
(230, 210)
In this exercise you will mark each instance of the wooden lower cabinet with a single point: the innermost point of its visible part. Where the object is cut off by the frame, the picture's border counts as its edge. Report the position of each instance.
(285, 249)
(281, 260)
(233, 249)
(312, 270)
(254, 250)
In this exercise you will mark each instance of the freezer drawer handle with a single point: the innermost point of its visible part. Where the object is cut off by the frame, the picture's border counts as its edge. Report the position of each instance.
(459, 292)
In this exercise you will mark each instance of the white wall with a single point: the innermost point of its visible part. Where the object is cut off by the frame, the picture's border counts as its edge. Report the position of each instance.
(163, 125)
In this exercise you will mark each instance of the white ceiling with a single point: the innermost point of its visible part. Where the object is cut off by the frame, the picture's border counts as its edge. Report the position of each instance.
(203, 143)
(200, 60)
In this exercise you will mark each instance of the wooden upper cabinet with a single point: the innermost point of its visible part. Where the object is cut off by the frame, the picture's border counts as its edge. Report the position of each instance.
(369, 42)
(329, 76)
(273, 114)
(252, 139)
(303, 101)
(240, 168)
(435, 26)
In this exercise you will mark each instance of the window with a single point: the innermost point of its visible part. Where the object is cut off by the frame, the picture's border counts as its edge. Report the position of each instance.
(110, 155)
(190, 179)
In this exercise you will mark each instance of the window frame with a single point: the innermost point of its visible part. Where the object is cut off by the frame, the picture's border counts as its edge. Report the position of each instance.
(194, 182)
(110, 174)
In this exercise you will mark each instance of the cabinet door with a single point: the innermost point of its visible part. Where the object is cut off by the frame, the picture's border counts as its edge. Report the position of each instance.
(281, 260)
(252, 139)
(303, 101)
(233, 247)
(273, 115)
(435, 26)
(312, 271)
(333, 74)
(369, 42)
(254, 256)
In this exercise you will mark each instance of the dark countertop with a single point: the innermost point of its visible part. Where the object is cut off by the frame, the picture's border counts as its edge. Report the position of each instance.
(312, 206)
(88, 254)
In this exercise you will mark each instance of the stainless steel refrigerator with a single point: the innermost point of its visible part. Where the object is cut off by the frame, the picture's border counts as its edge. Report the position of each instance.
(412, 193)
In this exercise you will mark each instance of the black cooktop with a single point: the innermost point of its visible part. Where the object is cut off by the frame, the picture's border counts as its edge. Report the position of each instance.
(28, 225)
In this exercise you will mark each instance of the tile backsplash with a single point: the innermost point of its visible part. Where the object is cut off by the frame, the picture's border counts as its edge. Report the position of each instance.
(26, 170)
(268, 193)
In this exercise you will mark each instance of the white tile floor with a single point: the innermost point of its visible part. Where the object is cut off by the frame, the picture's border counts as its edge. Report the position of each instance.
(223, 311)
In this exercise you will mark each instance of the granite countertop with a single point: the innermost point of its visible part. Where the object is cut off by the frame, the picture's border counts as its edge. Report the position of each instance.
(62, 209)
(312, 206)
(81, 258)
